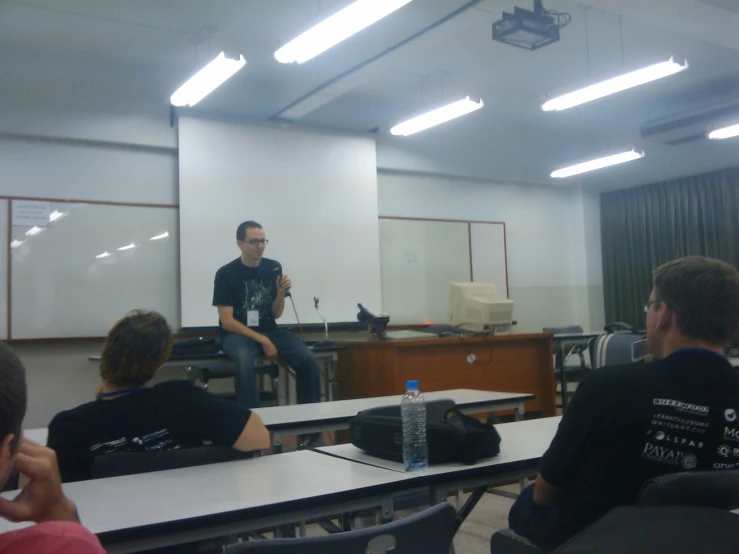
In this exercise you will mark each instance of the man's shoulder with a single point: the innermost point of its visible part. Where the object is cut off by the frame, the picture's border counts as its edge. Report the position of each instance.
(230, 267)
(64, 537)
(608, 376)
(81, 413)
(176, 389)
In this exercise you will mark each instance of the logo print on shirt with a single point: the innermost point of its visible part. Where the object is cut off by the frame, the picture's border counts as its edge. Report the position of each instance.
(730, 415)
(724, 451)
(689, 461)
(659, 436)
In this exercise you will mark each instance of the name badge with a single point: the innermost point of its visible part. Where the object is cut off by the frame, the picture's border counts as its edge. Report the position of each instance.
(252, 318)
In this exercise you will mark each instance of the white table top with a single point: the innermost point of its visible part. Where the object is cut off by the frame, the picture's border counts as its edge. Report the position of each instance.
(126, 503)
(341, 411)
(734, 361)
(520, 441)
(467, 401)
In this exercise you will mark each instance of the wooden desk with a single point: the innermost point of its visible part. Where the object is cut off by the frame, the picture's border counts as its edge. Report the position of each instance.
(506, 363)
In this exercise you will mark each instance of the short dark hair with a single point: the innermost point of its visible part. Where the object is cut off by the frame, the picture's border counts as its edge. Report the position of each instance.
(13, 395)
(704, 294)
(135, 348)
(241, 229)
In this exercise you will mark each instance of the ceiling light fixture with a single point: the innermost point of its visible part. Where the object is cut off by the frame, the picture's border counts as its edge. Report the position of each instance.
(206, 80)
(614, 85)
(103, 255)
(164, 235)
(597, 164)
(16, 243)
(34, 231)
(436, 117)
(724, 133)
(53, 216)
(336, 28)
(127, 247)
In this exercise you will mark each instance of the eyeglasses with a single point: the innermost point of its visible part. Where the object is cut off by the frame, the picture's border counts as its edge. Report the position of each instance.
(648, 304)
(257, 242)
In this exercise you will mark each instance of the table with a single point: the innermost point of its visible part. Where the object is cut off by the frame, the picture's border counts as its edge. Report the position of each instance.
(507, 363)
(302, 419)
(522, 445)
(558, 341)
(155, 510)
(734, 361)
(334, 416)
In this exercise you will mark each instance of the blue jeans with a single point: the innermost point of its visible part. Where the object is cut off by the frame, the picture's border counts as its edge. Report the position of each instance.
(293, 351)
(542, 525)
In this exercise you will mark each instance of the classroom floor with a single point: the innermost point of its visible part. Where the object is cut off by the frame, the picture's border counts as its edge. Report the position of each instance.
(60, 377)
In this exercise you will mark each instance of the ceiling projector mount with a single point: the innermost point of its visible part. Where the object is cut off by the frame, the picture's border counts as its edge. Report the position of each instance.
(530, 30)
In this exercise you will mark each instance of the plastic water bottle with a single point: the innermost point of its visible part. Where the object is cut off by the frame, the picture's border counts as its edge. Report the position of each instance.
(413, 414)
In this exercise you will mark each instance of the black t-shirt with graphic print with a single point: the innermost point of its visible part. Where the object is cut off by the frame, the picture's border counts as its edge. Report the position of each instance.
(167, 416)
(246, 288)
(627, 424)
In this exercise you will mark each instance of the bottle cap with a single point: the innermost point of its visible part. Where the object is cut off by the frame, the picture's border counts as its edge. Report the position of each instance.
(411, 385)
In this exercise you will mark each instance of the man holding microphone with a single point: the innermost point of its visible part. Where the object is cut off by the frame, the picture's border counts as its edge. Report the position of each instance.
(249, 293)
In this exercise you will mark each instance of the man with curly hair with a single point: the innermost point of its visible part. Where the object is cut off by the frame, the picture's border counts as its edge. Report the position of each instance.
(128, 416)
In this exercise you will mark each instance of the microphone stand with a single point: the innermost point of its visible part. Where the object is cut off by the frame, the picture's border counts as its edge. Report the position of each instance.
(325, 342)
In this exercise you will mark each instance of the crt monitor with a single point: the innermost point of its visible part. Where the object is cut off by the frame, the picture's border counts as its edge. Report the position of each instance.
(478, 307)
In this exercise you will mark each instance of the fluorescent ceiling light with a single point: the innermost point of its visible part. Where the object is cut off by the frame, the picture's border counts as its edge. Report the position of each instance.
(34, 231)
(724, 133)
(164, 235)
(612, 86)
(206, 80)
(103, 255)
(332, 30)
(53, 216)
(597, 164)
(16, 243)
(436, 117)
(127, 247)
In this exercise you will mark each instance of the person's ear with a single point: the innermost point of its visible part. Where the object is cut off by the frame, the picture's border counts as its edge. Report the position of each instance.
(665, 318)
(6, 454)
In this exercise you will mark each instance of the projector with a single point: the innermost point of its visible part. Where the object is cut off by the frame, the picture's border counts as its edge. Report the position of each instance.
(530, 30)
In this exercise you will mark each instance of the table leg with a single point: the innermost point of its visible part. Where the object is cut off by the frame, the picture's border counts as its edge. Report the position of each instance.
(518, 412)
(562, 376)
(276, 444)
(301, 529)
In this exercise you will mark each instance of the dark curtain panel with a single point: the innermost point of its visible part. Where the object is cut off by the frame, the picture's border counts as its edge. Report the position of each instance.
(647, 226)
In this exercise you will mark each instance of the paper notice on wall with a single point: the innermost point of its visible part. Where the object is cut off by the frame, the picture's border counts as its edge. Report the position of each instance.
(31, 213)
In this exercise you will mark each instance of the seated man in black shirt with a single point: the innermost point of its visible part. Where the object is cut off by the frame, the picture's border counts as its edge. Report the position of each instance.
(249, 293)
(130, 417)
(630, 423)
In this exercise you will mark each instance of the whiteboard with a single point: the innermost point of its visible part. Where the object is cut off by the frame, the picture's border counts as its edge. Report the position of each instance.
(314, 193)
(60, 288)
(420, 258)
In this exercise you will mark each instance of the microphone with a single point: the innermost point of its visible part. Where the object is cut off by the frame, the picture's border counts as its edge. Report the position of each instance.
(279, 276)
(325, 342)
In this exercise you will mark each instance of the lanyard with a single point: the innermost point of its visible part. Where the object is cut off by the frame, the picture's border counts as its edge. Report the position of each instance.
(117, 393)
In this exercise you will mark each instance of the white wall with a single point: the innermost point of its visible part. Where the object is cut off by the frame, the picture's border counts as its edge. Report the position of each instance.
(550, 267)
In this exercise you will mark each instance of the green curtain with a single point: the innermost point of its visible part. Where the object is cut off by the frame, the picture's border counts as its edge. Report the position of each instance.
(647, 226)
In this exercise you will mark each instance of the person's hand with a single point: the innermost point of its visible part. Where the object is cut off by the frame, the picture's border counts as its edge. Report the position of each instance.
(270, 350)
(284, 284)
(42, 499)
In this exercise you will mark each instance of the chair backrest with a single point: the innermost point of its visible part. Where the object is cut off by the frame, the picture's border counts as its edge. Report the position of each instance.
(612, 349)
(428, 532)
(131, 463)
(712, 489)
(571, 329)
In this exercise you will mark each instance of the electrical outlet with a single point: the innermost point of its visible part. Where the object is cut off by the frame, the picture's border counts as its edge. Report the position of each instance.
(471, 358)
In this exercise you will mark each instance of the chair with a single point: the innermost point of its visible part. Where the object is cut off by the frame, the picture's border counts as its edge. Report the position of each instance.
(613, 348)
(428, 532)
(226, 369)
(574, 346)
(715, 489)
(131, 463)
